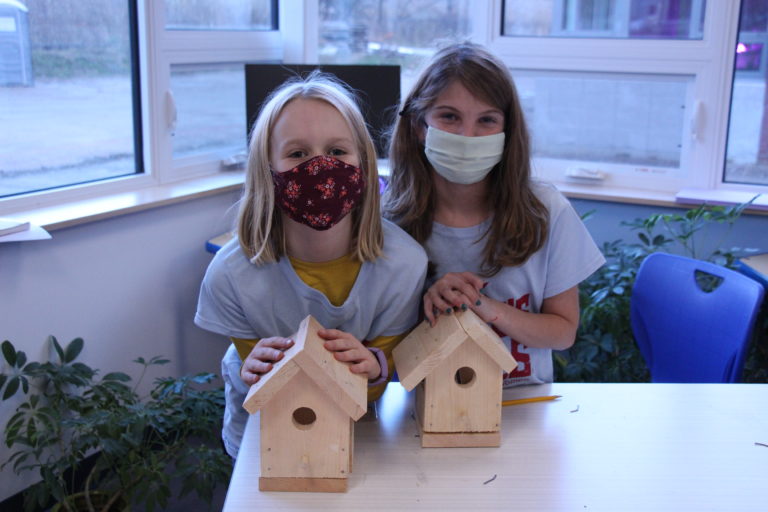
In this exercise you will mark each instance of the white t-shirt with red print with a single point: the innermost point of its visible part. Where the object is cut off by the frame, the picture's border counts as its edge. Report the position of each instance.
(568, 256)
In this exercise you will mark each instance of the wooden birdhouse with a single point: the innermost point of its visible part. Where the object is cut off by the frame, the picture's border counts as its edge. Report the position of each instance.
(309, 402)
(458, 366)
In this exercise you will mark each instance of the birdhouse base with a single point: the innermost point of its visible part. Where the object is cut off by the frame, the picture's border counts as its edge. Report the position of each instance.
(456, 439)
(460, 439)
(287, 484)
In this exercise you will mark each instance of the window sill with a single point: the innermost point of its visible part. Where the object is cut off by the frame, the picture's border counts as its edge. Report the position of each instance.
(82, 211)
(103, 207)
(617, 194)
(685, 198)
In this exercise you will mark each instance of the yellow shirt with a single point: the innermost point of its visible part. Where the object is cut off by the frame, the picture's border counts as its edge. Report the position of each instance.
(335, 280)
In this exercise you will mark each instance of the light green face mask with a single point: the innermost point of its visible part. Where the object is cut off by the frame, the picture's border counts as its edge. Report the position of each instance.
(462, 159)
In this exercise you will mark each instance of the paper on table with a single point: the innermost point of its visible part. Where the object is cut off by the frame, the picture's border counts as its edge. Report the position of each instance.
(8, 226)
(33, 233)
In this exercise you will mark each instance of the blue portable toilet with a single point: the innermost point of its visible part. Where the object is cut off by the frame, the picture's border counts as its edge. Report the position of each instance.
(15, 55)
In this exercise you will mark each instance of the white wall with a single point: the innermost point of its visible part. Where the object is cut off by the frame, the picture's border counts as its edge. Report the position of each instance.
(127, 285)
(750, 231)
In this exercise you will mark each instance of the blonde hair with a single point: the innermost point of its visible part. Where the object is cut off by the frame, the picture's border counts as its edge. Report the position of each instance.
(260, 228)
(520, 219)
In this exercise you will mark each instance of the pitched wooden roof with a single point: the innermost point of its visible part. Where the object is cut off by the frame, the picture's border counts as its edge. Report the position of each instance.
(347, 389)
(426, 346)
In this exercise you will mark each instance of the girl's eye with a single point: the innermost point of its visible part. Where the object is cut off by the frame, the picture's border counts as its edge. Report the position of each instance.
(489, 120)
(337, 152)
(448, 116)
(296, 154)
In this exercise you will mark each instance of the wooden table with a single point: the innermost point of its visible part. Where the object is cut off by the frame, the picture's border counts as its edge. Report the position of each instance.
(613, 447)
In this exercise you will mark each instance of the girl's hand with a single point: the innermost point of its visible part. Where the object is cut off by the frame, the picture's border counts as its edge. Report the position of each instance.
(453, 290)
(347, 348)
(266, 352)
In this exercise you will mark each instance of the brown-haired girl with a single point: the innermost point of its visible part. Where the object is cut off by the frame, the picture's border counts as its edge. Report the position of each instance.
(511, 249)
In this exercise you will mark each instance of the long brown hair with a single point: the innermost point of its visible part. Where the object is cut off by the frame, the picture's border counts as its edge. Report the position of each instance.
(520, 219)
(260, 229)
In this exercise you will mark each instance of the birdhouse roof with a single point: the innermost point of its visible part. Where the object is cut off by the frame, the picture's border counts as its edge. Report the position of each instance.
(347, 389)
(426, 347)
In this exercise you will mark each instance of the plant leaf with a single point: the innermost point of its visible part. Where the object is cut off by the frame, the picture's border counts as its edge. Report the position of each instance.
(73, 350)
(159, 360)
(9, 352)
(122, 377)
(56, 346)
(13, 386)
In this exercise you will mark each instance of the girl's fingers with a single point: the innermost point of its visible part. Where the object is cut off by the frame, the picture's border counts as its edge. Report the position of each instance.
(266, 354)
(260, 361)
(363, 367)
(464, 289)
(430, 311)
(474, 280)
(252, 370)
(276, 342)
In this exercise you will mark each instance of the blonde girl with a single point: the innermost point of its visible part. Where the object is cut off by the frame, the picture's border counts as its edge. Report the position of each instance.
(310, 240)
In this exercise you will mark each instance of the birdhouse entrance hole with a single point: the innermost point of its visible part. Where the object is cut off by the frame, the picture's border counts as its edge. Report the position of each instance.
(464, 376)
(304, 417)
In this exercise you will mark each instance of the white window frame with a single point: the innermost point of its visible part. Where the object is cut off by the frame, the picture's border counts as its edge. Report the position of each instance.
(159, 49)
(708, 61)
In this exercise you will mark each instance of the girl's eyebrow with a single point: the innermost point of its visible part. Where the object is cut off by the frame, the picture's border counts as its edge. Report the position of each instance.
(291, 142)
(483, 113)
(338, 140)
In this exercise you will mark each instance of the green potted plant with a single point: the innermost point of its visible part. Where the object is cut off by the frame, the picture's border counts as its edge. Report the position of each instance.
(605, 348)
(128, 448)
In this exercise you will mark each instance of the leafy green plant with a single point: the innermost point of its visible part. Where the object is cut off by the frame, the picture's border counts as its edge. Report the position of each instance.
(136, 445)
(605, 349)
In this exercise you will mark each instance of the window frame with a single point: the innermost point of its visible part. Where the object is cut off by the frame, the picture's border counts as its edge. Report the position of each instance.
(295, 41)
(158, 50)
(709, 61)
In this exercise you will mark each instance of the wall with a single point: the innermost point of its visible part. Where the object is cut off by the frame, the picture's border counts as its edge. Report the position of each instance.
(750, 232)
(129, 285)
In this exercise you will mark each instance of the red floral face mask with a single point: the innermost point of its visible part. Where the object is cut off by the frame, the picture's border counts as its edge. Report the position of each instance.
(319, 192)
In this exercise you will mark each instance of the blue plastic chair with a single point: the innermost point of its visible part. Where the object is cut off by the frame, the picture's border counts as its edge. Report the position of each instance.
(688, 334)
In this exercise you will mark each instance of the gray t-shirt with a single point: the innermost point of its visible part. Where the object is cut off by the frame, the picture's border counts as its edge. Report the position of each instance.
(568, 256)
(242, 300)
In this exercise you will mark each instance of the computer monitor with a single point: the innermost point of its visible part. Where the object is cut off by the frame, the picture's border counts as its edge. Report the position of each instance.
(377, 88)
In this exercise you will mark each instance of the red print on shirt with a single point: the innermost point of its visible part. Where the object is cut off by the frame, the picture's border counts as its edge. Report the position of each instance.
(523, 360)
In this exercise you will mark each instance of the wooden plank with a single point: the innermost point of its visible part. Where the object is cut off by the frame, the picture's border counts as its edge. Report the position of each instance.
(472, 406)
(265, 389)
(454, 439)
(348, 389)
(424, 349)
(282, 371)
(291, 449)
(303, 484)
(461, 440)
(487, 339)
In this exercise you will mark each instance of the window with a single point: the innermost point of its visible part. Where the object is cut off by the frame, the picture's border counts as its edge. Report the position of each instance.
(67, 113)
(632, 19)
(148, 91)
(747, 151)
(630, 93)
(657, 95)
(402, 32)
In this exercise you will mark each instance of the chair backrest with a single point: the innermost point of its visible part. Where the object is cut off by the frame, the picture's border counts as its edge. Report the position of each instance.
(688, 334)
